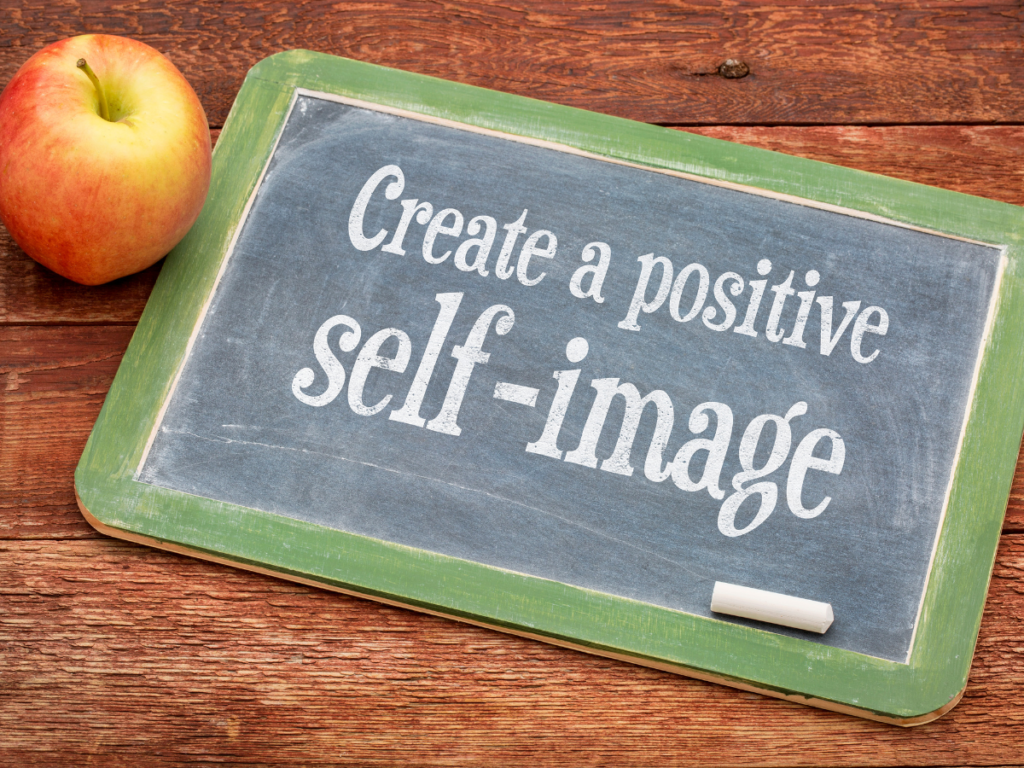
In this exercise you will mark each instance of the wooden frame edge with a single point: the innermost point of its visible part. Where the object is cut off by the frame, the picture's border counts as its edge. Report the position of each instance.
(270, 77)
(831, 706)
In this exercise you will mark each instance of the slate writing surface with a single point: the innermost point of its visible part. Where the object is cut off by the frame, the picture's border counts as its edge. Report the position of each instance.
(470, 475)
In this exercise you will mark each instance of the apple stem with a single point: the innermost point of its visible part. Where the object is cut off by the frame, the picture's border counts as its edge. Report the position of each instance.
(104, 112)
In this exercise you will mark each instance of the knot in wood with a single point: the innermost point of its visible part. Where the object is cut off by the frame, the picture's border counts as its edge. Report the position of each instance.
(733, 69)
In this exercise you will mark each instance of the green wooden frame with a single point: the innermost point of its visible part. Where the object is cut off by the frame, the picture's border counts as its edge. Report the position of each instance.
(918, 691)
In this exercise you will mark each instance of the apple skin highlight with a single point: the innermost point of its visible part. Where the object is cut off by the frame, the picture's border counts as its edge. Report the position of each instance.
(92, 199)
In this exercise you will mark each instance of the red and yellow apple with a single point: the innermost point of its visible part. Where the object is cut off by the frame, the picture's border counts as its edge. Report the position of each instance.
(104, 157)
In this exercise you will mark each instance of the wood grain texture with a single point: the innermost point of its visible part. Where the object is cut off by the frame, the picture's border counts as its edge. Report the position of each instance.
(30, 293)
(987, 161)
(37, 460)
(810, 63)
(118, 655)
(54, 381)
(211, 664)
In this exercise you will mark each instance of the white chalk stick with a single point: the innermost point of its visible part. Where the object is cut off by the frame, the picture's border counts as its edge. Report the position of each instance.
(772, 607)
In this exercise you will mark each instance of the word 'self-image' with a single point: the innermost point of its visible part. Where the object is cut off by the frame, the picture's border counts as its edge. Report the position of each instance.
(615, 378)
(587, 283)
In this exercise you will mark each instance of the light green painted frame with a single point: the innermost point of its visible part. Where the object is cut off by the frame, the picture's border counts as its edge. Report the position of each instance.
(932, 681)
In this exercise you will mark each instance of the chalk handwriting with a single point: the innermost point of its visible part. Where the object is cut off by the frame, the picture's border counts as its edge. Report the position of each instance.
(447, 223)
(711, 424)
(685, 296)
(872, 319)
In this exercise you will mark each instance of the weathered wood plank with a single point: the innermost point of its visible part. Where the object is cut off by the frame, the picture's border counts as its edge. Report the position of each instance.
(30, 293)
(987, 161)
(980, 160)
(107, 649)
(874, 62)
(1015, 507)
(54, 381)
(117, 655)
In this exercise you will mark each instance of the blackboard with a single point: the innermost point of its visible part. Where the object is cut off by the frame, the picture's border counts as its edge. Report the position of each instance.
(570, 368)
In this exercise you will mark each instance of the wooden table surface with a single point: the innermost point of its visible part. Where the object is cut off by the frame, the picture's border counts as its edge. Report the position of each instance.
(115, 654)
